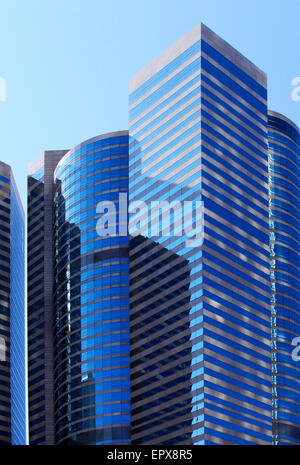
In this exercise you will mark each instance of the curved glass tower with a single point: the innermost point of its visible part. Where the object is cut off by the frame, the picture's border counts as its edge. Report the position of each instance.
(284, 171)
(92, 380)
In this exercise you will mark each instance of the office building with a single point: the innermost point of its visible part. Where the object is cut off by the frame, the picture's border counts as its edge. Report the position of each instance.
(81, 396)
(40, 284)
(199, 132)
(12, 313)
(284, 167)
(182, 333)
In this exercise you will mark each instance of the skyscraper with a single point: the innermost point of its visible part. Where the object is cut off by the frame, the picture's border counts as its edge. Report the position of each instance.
(284, 163)
(198, 132)
(174, 334)
(40, 282)
(87, 333)
(12, 313)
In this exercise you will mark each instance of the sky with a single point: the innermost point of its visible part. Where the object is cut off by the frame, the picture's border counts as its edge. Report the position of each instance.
(66, 63)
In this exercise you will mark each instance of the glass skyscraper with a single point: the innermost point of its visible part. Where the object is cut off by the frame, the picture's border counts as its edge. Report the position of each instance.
(284, 172)
(178, 333)
(88, 380)
(200, 316)
(92, 395)
(12, 313)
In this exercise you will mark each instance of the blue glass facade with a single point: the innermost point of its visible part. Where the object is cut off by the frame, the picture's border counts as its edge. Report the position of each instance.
(284, 156)
(17, 319)
(200, 316)
(92, 380)
(12, 313)
(202, 357)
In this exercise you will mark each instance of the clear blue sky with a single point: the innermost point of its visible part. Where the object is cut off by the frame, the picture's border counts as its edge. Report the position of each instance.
(67, 62)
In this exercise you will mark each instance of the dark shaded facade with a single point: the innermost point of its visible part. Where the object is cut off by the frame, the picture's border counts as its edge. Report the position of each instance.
(12, 313)
(161, 345)
(40, 272)
(284, 192)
